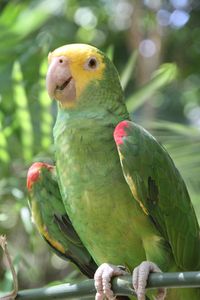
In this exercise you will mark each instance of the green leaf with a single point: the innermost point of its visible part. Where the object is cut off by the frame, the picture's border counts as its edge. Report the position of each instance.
(45, 108)
(22, 112)
(27, 19)
(177, 128)
(4, 156)
(110, 52)
(160, 78)
(126, 74)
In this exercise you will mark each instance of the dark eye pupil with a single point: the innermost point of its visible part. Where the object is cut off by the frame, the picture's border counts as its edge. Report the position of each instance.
(92, 63)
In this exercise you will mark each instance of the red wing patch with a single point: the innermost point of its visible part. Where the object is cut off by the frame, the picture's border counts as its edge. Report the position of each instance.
(120, 132)
(34, 173)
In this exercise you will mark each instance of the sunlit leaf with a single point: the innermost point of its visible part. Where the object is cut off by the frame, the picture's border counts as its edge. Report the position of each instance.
(34, 17)
(177, 128)
(4, 155)
(45, 113)
(128, 70)
(160, 78)
(110, 52)
(22, 112)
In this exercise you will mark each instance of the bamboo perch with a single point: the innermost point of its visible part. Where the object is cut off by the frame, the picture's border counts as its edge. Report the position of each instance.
(121, 286)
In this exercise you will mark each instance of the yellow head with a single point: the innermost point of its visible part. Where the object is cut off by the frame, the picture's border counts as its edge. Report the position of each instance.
(71, 69)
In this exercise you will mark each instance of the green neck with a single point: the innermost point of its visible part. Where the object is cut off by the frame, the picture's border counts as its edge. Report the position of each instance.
(96, 112)
(98, 121)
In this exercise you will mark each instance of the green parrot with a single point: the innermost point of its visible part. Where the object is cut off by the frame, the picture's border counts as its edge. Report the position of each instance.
(120, 189)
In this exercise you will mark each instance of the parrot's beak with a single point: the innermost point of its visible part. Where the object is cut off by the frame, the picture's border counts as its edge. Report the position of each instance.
(59, 81)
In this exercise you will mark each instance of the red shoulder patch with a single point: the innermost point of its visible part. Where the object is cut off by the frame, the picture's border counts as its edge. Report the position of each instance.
(34, 173)
(120, 132)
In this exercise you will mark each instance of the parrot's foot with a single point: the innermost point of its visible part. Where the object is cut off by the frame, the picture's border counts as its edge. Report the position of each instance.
(102, 280)
(140, 277)
(104, 274)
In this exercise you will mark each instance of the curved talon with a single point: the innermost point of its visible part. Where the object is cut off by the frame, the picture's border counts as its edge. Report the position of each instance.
(140, 277)
(102, 280)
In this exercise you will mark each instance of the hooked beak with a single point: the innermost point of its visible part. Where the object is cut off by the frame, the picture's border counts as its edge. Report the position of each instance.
(59, 81)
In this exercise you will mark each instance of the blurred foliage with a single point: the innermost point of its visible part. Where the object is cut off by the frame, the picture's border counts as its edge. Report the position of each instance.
(149, 32)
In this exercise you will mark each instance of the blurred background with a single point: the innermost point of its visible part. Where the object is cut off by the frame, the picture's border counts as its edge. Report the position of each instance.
(163, 98)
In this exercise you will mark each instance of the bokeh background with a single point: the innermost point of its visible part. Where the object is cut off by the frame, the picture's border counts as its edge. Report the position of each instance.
(156, 32)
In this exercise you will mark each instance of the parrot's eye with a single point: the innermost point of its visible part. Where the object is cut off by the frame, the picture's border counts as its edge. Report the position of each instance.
(91, 63)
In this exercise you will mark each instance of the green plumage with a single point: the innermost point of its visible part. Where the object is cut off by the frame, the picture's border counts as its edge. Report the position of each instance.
(124, 197)
(160, 188)
(114, 226)
(53, 224)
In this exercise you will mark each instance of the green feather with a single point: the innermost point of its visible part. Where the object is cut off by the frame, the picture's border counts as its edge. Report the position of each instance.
(155, 222)
(155, 181)
(53, 224)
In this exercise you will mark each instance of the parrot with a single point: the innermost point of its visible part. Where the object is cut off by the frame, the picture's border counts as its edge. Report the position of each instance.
(120, 189)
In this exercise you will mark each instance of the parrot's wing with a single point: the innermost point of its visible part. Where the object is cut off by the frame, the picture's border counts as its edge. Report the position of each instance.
(160, 190)
(51, 220)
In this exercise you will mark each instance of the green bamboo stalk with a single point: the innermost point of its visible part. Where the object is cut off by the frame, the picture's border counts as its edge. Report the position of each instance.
(121, 285)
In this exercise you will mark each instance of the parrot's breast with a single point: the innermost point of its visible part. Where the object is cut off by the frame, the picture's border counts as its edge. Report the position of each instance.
(98, 200)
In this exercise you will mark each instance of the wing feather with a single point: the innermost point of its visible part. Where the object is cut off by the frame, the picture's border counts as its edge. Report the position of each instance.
(159, 188)
(51, 220)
